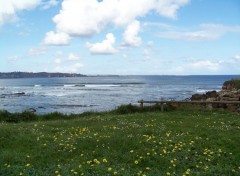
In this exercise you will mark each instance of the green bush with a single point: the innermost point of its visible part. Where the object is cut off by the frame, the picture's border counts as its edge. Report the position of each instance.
(235, 83)
(127, 109)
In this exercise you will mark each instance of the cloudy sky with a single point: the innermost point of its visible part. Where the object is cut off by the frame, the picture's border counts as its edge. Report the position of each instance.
(125, 37)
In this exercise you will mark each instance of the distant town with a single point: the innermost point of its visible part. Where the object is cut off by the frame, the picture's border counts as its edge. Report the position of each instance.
(9, 75)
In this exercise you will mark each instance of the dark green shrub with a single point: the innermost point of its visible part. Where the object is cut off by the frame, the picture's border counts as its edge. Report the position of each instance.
(235, 83)
(127, 109)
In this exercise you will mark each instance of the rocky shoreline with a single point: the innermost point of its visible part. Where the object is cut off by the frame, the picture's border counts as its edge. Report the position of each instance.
(229, 92)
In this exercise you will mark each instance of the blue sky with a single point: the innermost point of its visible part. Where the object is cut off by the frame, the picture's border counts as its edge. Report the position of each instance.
(146, 37)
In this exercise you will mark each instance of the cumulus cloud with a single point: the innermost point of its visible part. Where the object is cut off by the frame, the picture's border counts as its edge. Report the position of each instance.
(53, 38)
(105, 47)
(131, 35)
(9, 8)
(89, 17)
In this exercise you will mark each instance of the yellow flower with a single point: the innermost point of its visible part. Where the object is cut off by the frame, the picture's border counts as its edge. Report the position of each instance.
(105, 160)
(136, 161)
(27, 165)
(115, 173)
(168, 134)
(109, 169)
(168, 173)
(56, 172)
(20, 173)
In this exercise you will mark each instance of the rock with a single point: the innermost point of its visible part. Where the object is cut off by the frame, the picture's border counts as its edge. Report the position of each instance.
(211, 94)
(211, 99)
(230, 92)
(197, 97)
(31, 110)
(19, 94)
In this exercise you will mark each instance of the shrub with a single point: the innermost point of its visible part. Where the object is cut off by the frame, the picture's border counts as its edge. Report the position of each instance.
(127, 109)
(234, 83)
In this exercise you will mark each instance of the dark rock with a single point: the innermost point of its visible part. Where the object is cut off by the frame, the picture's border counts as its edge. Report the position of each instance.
(211, 94)
(198, 97)
(19, 94)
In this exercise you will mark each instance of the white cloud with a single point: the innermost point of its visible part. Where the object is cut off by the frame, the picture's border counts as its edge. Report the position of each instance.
(197, 66)
(131, 35)
(88, 17)
(69, 69)
(236, 58)
(37, 51)
(105, 47)
(204, 32)
(150, 43)
(53, 38)
(73, 57)
(57, 61)
(13, 58)
(49, 4)
(125, 56)
(9, 8)
(206, 65)
(147, 53)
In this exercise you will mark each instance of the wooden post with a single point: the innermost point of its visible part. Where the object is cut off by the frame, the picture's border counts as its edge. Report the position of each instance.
(141, 103)
(209, 106)
(162, 107)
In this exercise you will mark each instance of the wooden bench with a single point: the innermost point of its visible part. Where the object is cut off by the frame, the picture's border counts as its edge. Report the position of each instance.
(207, 103)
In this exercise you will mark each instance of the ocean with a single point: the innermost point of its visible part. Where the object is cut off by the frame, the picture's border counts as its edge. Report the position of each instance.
(99, 93)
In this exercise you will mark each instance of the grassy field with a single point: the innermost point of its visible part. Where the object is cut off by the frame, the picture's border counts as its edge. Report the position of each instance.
(190, 142)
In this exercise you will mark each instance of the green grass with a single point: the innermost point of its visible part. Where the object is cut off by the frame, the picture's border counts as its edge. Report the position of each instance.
(190, 142)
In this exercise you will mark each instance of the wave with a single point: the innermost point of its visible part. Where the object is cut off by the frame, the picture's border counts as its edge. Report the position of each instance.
(37, 85)
(205, 90)
(53, 94)
(69, 85)
(102, 85)
(74, 105)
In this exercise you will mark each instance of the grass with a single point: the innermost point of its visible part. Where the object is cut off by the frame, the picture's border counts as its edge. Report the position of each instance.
(123, 142)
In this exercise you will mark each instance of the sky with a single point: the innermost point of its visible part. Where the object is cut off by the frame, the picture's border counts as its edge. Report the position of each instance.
(121, 37)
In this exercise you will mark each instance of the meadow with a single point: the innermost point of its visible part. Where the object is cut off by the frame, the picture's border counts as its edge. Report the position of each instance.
(122, 142)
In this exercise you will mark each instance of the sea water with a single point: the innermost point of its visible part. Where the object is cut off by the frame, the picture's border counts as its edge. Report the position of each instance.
(99, 93)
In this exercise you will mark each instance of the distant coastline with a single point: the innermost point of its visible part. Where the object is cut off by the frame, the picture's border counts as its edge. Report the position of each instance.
(13, 75)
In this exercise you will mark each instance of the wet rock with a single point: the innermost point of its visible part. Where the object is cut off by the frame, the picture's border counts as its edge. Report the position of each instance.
(198, 97)
(211, 94)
